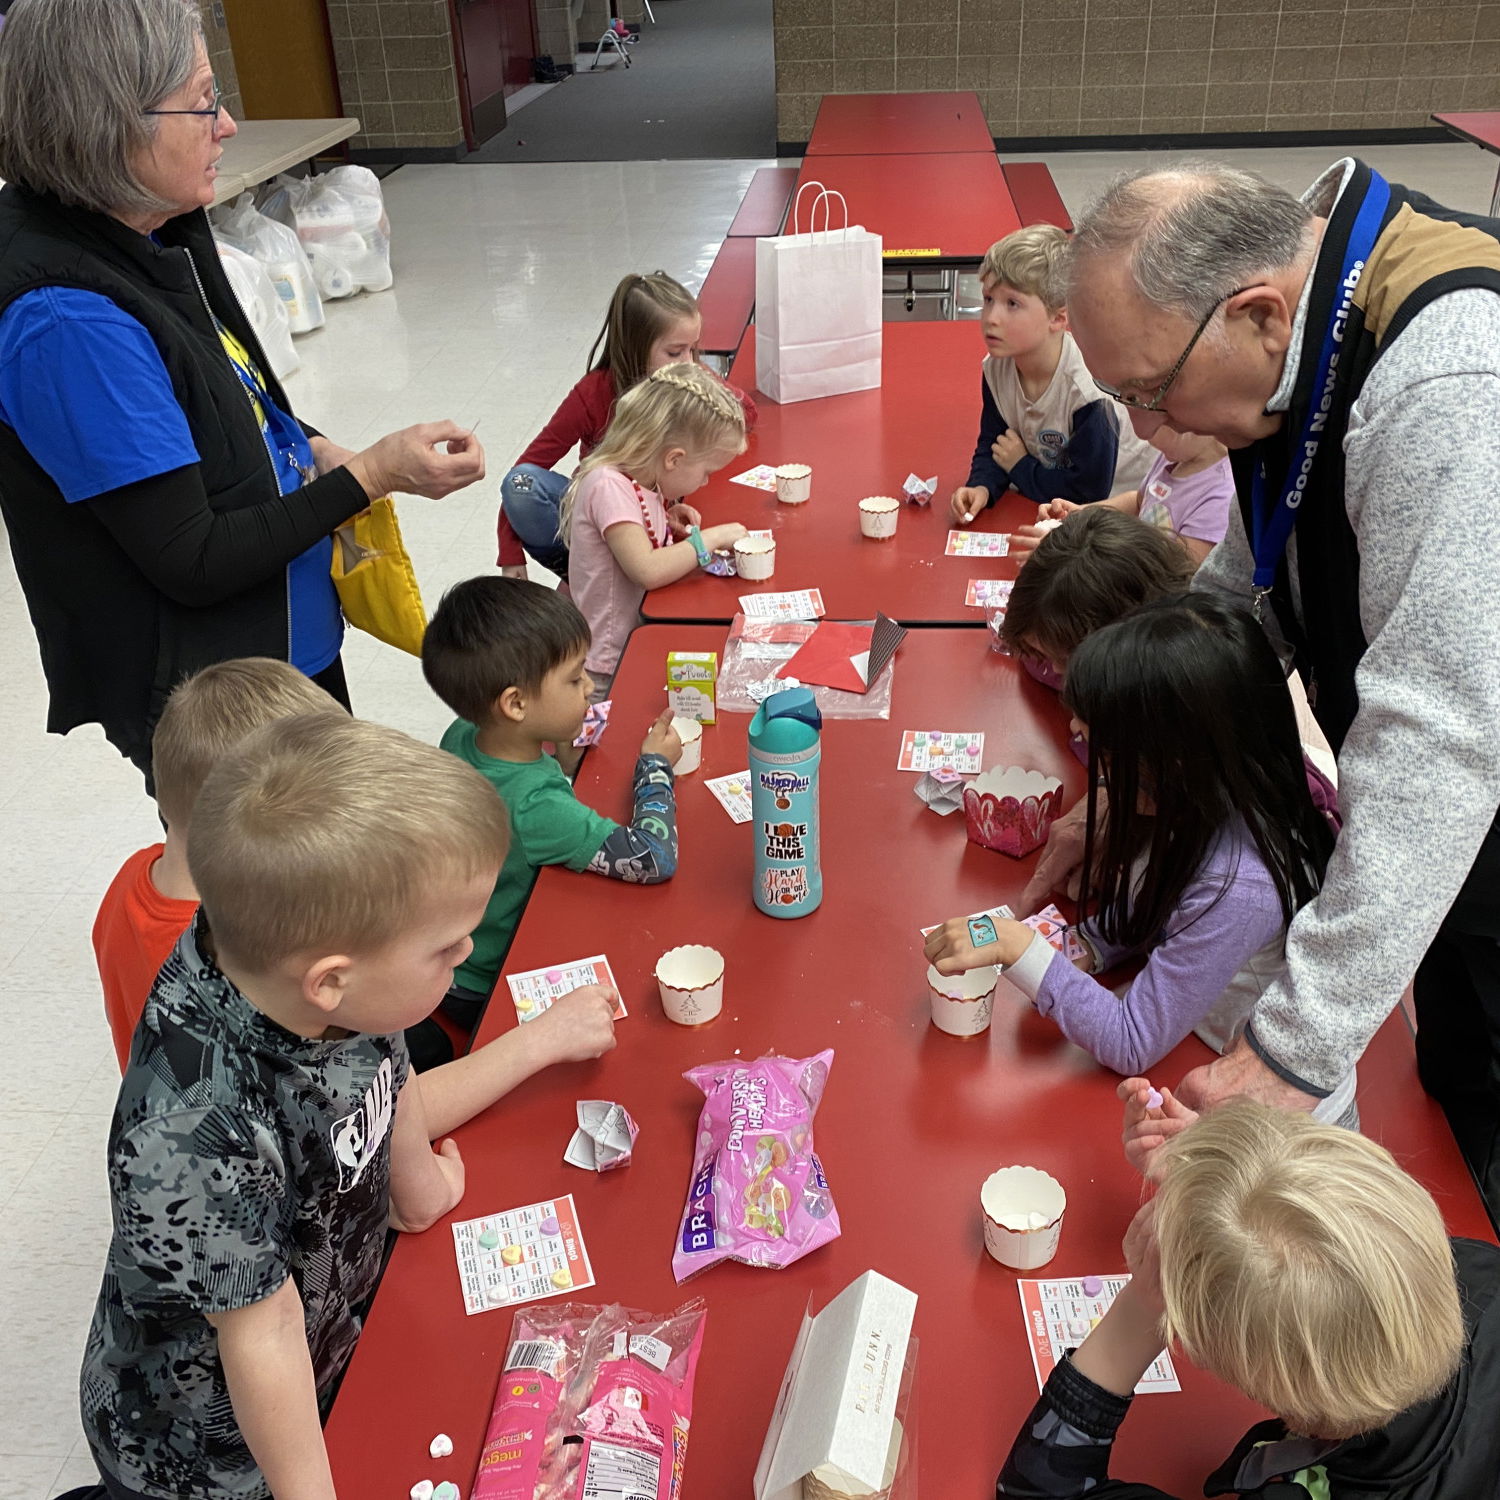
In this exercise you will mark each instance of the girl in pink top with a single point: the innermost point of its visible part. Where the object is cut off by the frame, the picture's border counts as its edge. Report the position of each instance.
(623, 517)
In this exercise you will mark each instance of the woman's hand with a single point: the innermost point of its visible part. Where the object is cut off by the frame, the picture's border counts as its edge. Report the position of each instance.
(328, 456)
(432, 459)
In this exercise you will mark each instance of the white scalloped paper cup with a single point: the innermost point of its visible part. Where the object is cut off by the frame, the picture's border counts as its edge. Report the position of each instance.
(794, 484)
(755, 557)
(690, 732)
(962, 1004)
(1023, 1211)
(878, 515)
(691, 980)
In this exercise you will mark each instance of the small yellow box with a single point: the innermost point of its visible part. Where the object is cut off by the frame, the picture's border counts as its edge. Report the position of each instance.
(691, 676)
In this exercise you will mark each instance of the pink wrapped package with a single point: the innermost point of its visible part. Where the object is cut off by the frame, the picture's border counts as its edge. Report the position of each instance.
(758, 1193)
(592, 1401)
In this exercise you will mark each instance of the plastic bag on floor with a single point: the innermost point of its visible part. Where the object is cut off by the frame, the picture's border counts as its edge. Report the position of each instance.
(340, 218)
(265, 310)
(279, 250)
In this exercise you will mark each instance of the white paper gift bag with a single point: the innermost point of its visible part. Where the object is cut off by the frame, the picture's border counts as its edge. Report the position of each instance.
(818, 306)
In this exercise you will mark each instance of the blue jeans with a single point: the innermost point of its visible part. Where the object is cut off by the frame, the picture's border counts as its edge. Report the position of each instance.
(531, 498)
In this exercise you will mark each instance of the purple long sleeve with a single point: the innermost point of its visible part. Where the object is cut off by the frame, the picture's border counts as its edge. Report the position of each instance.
(1228, 913)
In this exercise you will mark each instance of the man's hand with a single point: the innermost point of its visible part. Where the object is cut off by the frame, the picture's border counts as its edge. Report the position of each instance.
(968, 500)
(579, 1026)
(1061, 865)
(1008, 450)
(1240, 1071)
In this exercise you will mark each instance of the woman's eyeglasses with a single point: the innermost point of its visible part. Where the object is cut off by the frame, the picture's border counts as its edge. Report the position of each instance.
(211, 112)
(1153, 403)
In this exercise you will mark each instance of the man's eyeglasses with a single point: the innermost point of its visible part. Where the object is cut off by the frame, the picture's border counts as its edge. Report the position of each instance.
(210, 113)
(1140, 403)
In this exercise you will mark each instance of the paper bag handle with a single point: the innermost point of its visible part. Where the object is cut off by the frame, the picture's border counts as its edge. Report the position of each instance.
(825, 197)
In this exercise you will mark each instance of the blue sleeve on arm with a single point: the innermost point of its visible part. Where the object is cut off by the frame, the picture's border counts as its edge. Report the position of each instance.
(1089, 471)
(84, 388)
(983, 470)
(645, 853)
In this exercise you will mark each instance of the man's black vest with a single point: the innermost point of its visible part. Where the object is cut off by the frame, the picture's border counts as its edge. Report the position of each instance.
(1424, 251)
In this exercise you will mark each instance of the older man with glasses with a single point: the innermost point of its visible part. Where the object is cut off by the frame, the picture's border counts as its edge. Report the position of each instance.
(166, 510)
(1346, 347)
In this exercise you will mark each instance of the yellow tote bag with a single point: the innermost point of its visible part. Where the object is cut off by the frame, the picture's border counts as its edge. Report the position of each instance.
(376, 583)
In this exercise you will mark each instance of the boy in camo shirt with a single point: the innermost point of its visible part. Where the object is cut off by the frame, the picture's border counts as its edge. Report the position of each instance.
(266, 1135)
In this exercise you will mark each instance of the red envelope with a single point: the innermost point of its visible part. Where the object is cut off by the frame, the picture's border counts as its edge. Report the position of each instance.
(835, 655)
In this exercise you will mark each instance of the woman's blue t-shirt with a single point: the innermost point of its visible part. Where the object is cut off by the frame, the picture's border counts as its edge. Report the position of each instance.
(85, 389)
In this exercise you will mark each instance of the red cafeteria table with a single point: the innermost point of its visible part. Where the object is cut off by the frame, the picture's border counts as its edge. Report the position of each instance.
(922, 420)
(1483, 128)
(937, 124)
(929, 211)
(911, 1124)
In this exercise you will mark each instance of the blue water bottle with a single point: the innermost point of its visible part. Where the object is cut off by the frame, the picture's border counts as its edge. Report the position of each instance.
(785, 750)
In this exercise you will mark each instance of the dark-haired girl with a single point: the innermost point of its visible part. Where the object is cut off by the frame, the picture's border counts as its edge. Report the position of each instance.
(1211, 846)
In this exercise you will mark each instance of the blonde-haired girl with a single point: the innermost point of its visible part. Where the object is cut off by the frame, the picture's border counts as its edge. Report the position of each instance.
(624, 507)
(653, 321)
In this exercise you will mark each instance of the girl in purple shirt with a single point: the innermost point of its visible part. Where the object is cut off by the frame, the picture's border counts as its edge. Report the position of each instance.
(1211, 845)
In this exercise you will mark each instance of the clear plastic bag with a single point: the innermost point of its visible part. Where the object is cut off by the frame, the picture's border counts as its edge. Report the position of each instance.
(588, 1392)
(263, 307)
(340, 218)
(754, 652)
(279, 250)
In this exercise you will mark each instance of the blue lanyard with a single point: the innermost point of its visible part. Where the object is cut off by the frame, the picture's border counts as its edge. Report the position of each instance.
(1271, 528)
(296, 453)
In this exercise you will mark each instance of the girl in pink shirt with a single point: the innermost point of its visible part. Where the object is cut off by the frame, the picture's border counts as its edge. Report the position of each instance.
(623, 518)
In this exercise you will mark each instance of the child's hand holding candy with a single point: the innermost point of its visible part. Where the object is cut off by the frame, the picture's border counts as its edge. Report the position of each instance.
(1152, 1118)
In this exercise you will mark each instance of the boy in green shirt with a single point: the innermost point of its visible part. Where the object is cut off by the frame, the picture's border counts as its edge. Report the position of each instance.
(506, 655)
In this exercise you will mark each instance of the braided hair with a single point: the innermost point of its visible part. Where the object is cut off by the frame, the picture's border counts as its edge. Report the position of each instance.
(678, 406)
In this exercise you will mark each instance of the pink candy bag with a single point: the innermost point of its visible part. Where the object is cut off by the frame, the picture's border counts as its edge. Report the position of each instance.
(592, 1401)
(758, 1193)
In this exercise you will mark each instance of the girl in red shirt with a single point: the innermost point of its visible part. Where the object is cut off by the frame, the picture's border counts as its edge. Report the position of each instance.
(652, 321)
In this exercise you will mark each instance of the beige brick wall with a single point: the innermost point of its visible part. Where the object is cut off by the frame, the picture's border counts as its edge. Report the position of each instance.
(1131, 67)
(216, 35)
(396, 71)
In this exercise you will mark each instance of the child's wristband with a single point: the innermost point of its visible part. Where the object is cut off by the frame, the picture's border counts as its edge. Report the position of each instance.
(695, 536)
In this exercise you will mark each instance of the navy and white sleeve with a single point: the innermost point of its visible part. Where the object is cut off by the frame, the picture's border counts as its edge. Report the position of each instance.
(645, 852)
(983, 470)
(1063, 1448)
(1087, 472)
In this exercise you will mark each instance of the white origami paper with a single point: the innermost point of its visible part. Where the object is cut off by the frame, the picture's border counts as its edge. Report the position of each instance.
(605, 1136)
(942, 791)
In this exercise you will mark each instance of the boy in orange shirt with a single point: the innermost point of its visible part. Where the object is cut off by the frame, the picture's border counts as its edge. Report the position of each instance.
(153, 899)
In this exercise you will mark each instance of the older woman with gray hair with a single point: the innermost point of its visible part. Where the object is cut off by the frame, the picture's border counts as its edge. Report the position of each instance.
(1346, 345)
(165, 508)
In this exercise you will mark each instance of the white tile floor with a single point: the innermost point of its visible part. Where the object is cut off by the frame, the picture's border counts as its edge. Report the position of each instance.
(502, 277)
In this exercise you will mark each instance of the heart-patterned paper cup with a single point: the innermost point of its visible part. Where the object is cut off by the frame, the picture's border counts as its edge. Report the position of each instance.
(1011, 809)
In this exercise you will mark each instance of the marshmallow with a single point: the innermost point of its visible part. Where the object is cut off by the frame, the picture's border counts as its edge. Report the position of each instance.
(441, 1446)
(422, 1490)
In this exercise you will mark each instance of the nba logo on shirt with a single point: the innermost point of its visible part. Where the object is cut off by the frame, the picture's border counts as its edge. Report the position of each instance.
(358, 1136)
